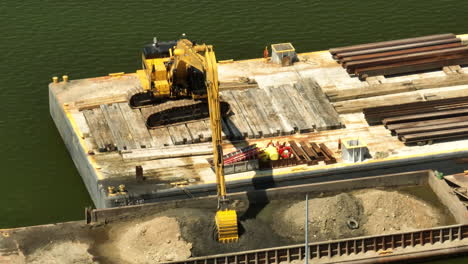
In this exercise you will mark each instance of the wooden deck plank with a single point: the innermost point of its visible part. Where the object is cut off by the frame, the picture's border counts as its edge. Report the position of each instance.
(322, 107)
(225, 133)
(304, 111)
(287, 120)
(147, 111)
(252, 113)
(119, 127)
(233, 121)
(119, 142)
(242, 118)
(249, 117)
(233, 129)
(237, 118)
(196, 130)
(269, 113)
(137, 126)
(97, 102)
(271, 126)
(96, 133)
(316, 105)
(161, 137)
(104, 129)
(206, 131)
(258, 110)
(285, 127)
(180, 134)
(288, 107)
(302, 108)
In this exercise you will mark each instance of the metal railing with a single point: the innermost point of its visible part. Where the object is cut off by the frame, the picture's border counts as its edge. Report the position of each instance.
(337, 247)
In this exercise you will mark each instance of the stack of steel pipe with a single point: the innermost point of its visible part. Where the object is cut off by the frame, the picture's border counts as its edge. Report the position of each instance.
(402, 56)
(423, 121)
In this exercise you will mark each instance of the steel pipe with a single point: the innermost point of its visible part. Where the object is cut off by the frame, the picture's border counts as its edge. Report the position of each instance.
(390, 43)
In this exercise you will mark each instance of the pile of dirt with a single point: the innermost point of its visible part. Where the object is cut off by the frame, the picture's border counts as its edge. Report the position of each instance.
(374, 211)
(67, 252)
(328, 218)
(153, 241)
(198, 227)
(392, 211)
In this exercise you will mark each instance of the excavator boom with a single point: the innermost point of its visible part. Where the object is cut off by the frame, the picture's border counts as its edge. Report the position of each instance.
(226, 219)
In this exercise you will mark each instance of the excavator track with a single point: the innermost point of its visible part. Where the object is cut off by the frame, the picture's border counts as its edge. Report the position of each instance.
(181, 111)
(145, 99)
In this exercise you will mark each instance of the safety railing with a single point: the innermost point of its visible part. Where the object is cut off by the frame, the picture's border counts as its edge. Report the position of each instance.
(337, 247)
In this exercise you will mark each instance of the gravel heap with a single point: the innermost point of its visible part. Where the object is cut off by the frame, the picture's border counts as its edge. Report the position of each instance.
(153, 241)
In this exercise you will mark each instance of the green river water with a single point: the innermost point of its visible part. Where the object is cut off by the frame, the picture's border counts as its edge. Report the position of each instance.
(41, 39)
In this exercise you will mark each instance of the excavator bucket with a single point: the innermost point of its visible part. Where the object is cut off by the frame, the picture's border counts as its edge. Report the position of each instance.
(226, 224)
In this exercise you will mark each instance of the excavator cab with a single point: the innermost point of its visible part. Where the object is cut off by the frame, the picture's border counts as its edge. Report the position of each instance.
(159, 49)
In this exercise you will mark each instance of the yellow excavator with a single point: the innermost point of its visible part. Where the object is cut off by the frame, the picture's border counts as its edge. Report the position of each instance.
(174, 82)
(175, 71)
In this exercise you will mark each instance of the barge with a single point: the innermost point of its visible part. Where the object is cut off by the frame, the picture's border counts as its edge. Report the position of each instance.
(313, 102)
(436, 227)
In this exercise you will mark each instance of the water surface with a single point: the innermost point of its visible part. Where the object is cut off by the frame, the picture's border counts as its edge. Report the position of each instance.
(41, 39)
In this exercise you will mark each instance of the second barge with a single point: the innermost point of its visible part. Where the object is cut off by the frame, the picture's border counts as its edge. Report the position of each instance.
(402, 218)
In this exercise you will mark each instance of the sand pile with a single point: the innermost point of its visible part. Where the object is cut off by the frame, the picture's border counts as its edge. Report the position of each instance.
(328, 218)
(153, 241)
(67, 252)
(392, 211)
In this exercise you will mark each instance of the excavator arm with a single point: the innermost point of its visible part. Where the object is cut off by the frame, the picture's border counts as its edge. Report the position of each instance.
(226, 219)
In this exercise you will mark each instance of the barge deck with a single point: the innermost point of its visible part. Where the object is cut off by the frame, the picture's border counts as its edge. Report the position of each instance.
(314, 100)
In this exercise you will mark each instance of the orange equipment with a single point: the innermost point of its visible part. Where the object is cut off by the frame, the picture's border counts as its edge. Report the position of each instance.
(266, 54)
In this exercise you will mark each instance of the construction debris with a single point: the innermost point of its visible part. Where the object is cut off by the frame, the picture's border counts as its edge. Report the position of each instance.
(277, 155)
